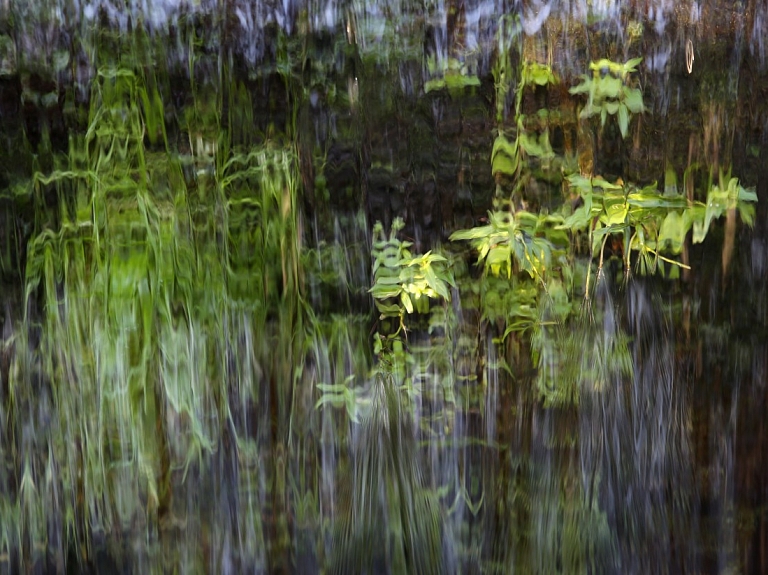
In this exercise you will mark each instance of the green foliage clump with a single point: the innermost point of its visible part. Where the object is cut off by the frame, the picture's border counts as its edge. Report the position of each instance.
(509, 158)
(404, 283)
(514, 242)
(453, 75)
(610, 92)
(652, 224)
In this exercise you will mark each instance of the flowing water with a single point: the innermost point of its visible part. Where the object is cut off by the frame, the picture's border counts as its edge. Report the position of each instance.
(383, 287)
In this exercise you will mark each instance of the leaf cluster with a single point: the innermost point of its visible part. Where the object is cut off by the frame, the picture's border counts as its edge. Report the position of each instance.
(652, 224)
(404, 283)
(610, 93)
(508, 157)
(455, 75)
(515, 242)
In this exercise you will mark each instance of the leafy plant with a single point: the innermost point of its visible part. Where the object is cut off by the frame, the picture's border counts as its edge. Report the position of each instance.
(514, 242)
(534, 74)
(509, 157)
(403, 283)
(720, 199)
(610, 92)
(453, 75)
(652, 224)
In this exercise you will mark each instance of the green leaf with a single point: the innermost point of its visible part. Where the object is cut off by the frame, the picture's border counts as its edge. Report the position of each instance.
(457, 81)
(532, 146)
(609, 87)
(498, 257)
(599, 182)
(747, 213)
(631, 65)
(432, 85)
(578, 220)
(611, 107)
(503, 164)
(644, 199)
(472, 233)
(436, 284)
(623, 120)
(385, 291)
(580, 183)
(633, 100)
(504, 156)
(670, 182)
(387, 310)
(615, 214)
(407, 303)
(672, 233)
(747, 195)
(605, 64)
(584, 88)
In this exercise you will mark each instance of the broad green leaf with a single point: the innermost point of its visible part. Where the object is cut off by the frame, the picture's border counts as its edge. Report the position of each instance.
(670, 182)
(581, 183)
(498, 256)
(611, 107)
(387, 280)
(501, 144)
(531, 146)
(578, 220)
(623, 120)
(631, 65)
(672, 233)
(615, 214)
(609, 87)
(435, 84)
(388, 310)
(650, 200)
(383, 291)
(335, 400)
(598, 181)
(503, 164)
(633, 100)
(436, 284)
(526, 220)
(747, 195)
(606, 65)
(472, 234)
(458, 81)
(504, 156)
(717, 204)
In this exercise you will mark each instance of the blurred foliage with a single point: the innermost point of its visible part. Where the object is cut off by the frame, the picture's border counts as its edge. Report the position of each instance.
(611, 93)
(178, 336)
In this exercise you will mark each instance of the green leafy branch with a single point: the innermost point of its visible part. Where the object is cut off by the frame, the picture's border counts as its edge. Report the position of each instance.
(652, 224)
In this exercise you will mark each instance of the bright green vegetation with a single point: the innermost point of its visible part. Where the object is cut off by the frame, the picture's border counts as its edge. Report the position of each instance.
(610, 92)
(144, 282)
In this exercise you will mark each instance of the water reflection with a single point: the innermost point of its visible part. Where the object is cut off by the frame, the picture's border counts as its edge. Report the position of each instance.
(197, 376)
